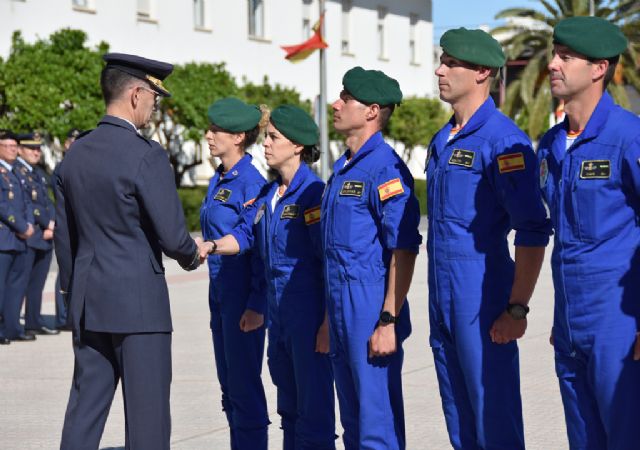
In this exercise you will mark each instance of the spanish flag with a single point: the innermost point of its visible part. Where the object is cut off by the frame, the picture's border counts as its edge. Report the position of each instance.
(299, 52)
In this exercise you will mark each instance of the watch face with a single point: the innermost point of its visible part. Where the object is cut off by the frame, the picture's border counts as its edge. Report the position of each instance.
(386, 317)
(518, 312)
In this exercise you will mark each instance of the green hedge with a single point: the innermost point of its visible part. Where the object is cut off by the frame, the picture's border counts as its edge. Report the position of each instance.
(421, 193)
(191, 198)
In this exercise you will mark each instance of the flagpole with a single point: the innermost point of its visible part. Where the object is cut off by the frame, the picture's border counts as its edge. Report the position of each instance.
(324, 134)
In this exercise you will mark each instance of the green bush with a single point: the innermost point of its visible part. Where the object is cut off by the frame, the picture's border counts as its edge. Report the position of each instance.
(421, 194)
(191, 198)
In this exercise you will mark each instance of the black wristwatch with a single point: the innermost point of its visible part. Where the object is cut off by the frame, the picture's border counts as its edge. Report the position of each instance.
(386, 318)
(215, 246)
(518, 311)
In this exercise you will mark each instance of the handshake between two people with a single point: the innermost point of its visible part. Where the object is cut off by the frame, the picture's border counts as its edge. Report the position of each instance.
(205, 248)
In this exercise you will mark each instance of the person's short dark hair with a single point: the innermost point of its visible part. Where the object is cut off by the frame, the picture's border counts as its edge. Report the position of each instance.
(250, 137)
(385, 114)
(310, 154)
(611, 70)
(114, 82)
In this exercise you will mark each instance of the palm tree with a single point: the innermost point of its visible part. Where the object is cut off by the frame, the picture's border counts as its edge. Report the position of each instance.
(529, 35)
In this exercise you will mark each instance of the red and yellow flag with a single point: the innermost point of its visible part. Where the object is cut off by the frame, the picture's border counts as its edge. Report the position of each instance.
(299, 52)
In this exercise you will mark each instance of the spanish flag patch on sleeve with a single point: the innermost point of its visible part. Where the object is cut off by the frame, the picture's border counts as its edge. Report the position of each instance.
(312, 215)
(390, 188)
(511, 162)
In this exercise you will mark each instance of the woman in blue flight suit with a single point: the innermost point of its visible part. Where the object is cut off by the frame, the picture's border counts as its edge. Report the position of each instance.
(284, 224)
(236, 283)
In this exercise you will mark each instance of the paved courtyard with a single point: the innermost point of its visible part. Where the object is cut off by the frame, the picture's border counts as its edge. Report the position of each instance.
(35, 378)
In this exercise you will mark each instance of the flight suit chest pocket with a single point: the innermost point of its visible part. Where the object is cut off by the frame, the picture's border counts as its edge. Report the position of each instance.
(460, 178)
(598, 202)
(351, 214)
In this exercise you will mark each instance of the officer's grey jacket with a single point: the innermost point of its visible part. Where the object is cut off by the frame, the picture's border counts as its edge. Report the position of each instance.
(117, 210)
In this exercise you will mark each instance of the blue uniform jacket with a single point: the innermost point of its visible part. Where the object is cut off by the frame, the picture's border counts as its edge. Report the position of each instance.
(227, 197)
(368, 210)
(36, 189)
(289, 243)
(14, 212)
(593, 193)
(481, 184)
(117, 211)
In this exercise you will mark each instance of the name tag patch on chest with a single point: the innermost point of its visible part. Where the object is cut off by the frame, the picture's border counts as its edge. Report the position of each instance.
(290, 212)
(223, 195)
(511, 162)
(594, 169)
(352, 188)
(462, 158)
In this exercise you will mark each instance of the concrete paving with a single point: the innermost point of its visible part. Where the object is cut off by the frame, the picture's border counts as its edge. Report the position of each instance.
(36, 377)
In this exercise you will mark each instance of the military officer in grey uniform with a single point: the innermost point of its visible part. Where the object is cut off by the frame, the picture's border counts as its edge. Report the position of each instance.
(117, 211)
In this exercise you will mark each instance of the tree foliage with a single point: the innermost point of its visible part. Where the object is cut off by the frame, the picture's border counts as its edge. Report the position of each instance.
(415, 122)
(530, 36)
(272, 95)
(51, 85)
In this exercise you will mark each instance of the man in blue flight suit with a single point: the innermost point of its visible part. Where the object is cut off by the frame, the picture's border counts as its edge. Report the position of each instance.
(481, 184)
(61, 307)
(370, 240)
(16, 226)
(35, 185)
(117, 211)
(590, 178)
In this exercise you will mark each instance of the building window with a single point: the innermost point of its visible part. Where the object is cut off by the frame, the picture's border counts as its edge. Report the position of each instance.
(346, 19)
(256, 18)
(144, 10)
(414, 41)
(306, 19)
(382, 33)
(199, 14)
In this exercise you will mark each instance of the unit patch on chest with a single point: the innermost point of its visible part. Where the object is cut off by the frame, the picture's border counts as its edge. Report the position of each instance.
(595, 169)
(290, 212)
(223, 195)
(462, 158)
(352, 188)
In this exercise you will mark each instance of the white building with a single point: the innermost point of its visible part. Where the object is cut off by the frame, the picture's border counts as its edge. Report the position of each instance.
(395, 36)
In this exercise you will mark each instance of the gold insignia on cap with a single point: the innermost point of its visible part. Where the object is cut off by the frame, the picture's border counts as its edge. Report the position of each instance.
(156, 82)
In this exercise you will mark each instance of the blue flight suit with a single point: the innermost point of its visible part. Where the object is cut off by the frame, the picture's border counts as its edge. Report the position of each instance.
(15, 215)
(593, 193)
(117, 211)
(39, 251)
(236, 283)
(290, 246)
(368, 210)
(481, 184)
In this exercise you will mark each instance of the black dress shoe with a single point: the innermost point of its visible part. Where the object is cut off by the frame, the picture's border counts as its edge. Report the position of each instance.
(4, 341)
(24, 338)
(41, 330)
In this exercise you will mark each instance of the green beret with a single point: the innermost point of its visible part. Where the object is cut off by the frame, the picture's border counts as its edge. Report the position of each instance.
(234, 115)
(372, 86)
(473, 46)
(295, 124)
(592, 37)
